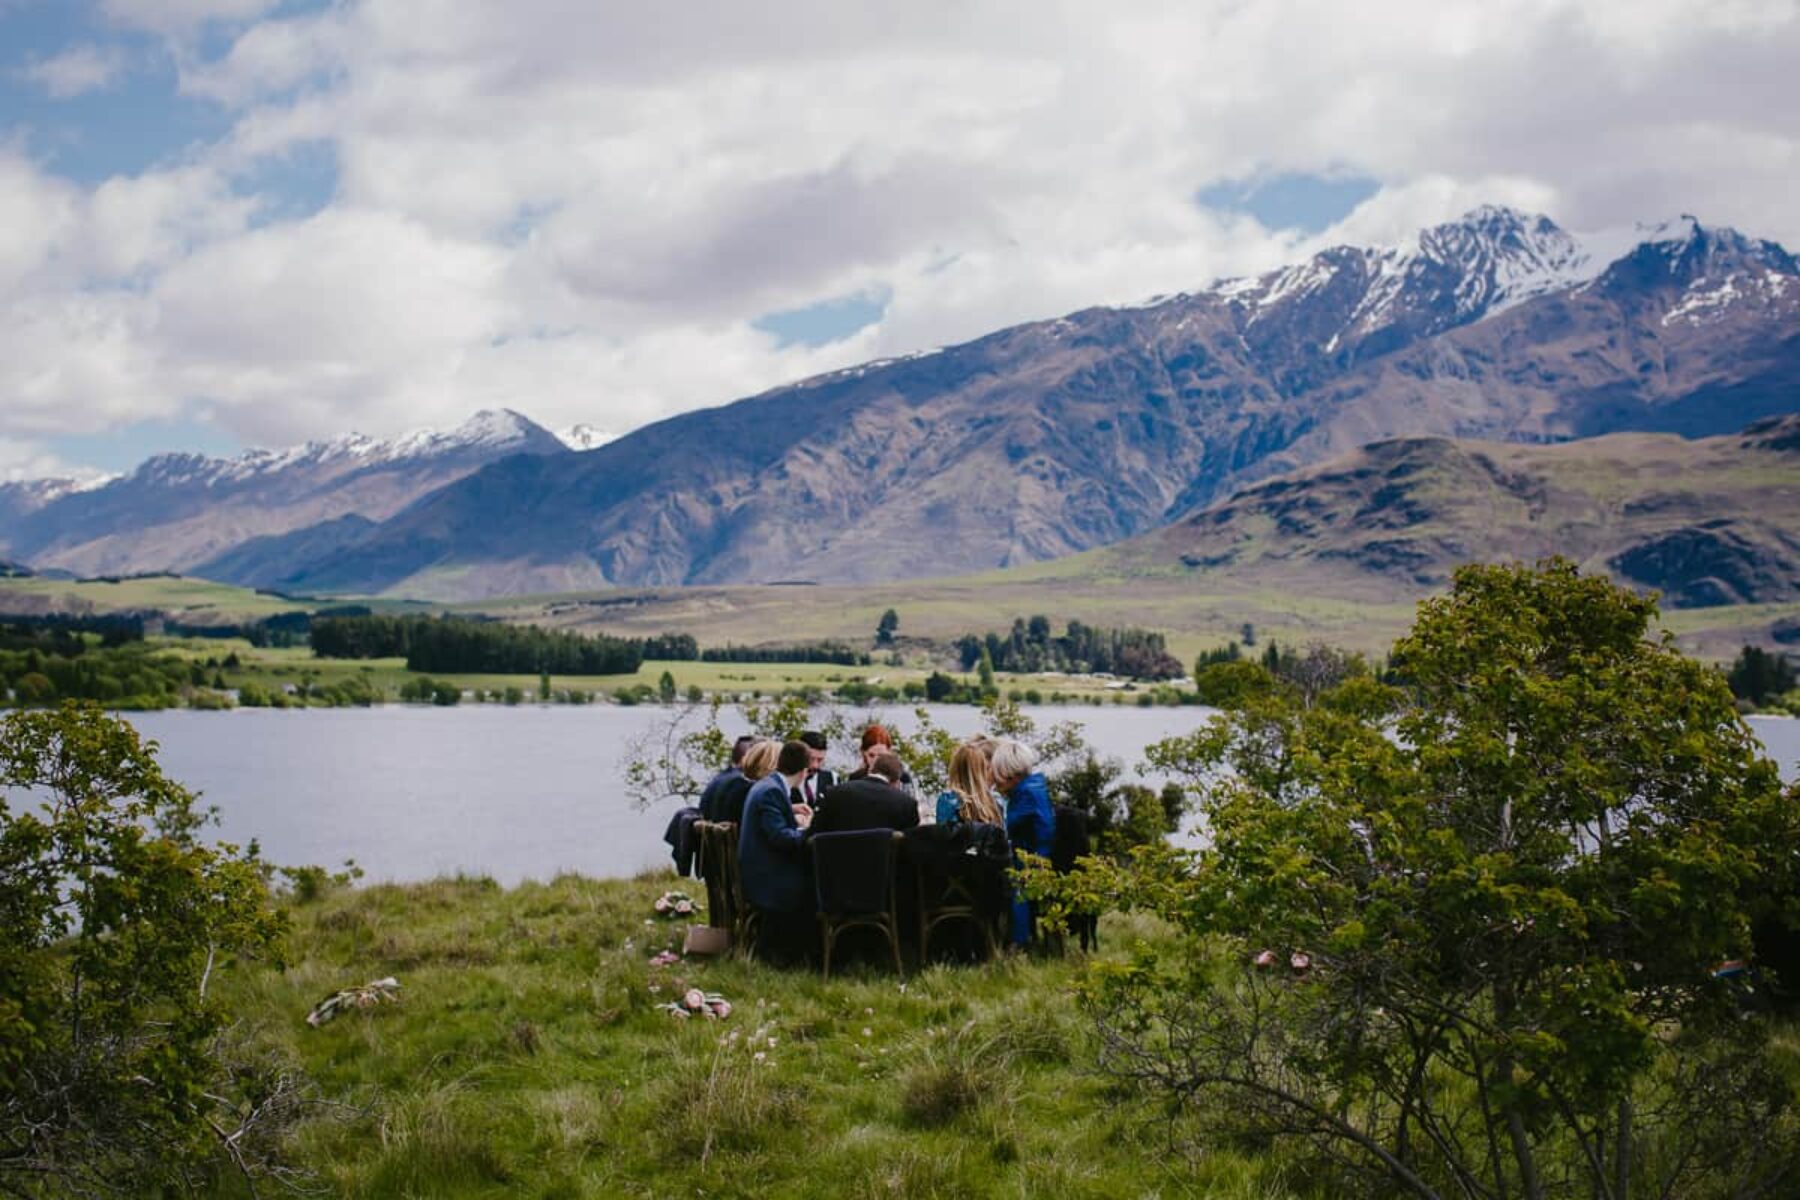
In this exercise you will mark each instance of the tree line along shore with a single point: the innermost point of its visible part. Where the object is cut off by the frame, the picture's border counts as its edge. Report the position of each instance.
(350, 657)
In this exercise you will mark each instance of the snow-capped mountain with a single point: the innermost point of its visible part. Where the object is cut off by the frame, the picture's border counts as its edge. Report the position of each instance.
(19, 498)
(1448, 275)
(1049, 437)
(487, 433)
(585, 437)
(182, 511)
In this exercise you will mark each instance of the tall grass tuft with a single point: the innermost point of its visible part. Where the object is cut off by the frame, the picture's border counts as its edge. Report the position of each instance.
(955, 1074)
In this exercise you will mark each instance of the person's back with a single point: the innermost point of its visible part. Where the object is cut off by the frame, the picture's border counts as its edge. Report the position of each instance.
(770, 844)
(872, 802)
(709, 804)
(1030, 821)
(727, 804)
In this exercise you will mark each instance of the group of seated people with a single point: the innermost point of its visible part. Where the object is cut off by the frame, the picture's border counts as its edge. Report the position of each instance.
(781, 793)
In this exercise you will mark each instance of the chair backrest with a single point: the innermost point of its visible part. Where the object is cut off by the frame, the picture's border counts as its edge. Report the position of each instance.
(718, 866)
(854, 872)
(1072, 840)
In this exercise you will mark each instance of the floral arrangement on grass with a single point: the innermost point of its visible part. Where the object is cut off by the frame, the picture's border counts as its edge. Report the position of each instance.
(367, 996)
(696, 1003)
(675, 904)
(665, 958)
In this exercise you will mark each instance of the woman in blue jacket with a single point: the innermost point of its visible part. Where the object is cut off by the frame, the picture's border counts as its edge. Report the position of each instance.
(1030, 822)
(772, 856)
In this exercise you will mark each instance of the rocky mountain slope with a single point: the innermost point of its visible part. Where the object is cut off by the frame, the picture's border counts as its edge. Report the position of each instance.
(1058, 436)
(1706, 522)
(187, 512)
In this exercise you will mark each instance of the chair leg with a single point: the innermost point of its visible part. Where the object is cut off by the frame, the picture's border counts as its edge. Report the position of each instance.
(894, 940)
(828, 935)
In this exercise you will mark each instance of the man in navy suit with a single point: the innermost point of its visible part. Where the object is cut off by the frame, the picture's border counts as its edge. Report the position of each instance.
(772, 860)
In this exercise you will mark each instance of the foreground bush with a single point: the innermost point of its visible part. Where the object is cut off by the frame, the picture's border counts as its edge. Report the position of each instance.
(1458, 938)
(115, 1075)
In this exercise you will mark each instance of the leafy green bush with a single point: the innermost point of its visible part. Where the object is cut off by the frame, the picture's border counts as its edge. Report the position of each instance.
(117, 918)
(1461, 936)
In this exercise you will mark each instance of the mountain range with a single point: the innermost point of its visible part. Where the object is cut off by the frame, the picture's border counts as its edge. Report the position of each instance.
(1035, 442)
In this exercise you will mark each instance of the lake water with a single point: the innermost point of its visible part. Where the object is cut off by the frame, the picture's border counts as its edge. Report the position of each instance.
(515, 793)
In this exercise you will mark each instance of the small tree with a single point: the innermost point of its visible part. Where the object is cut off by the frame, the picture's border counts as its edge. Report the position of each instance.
(939, 687)
(890, 624)
(1460, 937)
(986, 669)
(665, 688)
(116, 917)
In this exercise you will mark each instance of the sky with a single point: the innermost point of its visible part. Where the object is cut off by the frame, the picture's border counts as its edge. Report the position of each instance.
(237, 223)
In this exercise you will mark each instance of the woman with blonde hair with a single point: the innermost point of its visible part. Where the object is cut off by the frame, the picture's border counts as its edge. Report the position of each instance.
(970, 796)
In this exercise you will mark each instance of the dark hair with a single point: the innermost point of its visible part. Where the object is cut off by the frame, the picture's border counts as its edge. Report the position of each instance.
(741, 747)
(795, 758)
(876, 735)
(813, 738)
(888, 765)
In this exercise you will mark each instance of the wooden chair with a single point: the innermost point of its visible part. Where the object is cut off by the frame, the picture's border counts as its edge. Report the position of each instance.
(853, 877)
(719, 850)
(718, 863)
(960, 875)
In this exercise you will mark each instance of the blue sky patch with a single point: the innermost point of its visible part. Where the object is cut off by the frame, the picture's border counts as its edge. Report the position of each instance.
(826, 321)
(124, 448)
(1309, 203)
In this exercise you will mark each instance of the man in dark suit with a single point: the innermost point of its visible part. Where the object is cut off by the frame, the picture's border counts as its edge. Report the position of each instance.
(819, 778)
(872, 802)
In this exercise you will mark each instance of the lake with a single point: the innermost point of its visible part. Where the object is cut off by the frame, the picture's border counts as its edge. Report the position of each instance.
(414, 792)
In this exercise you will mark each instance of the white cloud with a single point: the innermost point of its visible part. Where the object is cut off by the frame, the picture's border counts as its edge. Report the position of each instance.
(78, 70)
(578, 210)
(20, 460)
(38, 214)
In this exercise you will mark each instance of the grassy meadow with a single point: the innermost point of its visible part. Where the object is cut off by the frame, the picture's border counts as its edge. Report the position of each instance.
(527, 1058)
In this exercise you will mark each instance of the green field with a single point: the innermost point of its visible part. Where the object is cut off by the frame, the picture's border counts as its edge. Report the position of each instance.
(527, 1058)
(1098, 588)
(276, 667)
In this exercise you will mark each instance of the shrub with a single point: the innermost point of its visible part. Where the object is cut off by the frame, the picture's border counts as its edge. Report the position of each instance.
(117, 917)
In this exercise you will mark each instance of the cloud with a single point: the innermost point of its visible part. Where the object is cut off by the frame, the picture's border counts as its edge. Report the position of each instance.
(22, 460)
(582, 210)
(77, 70)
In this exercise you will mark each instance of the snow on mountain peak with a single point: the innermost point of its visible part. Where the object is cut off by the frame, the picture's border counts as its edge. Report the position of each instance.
(584, 437)
(491, 431)
(1477, 266)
